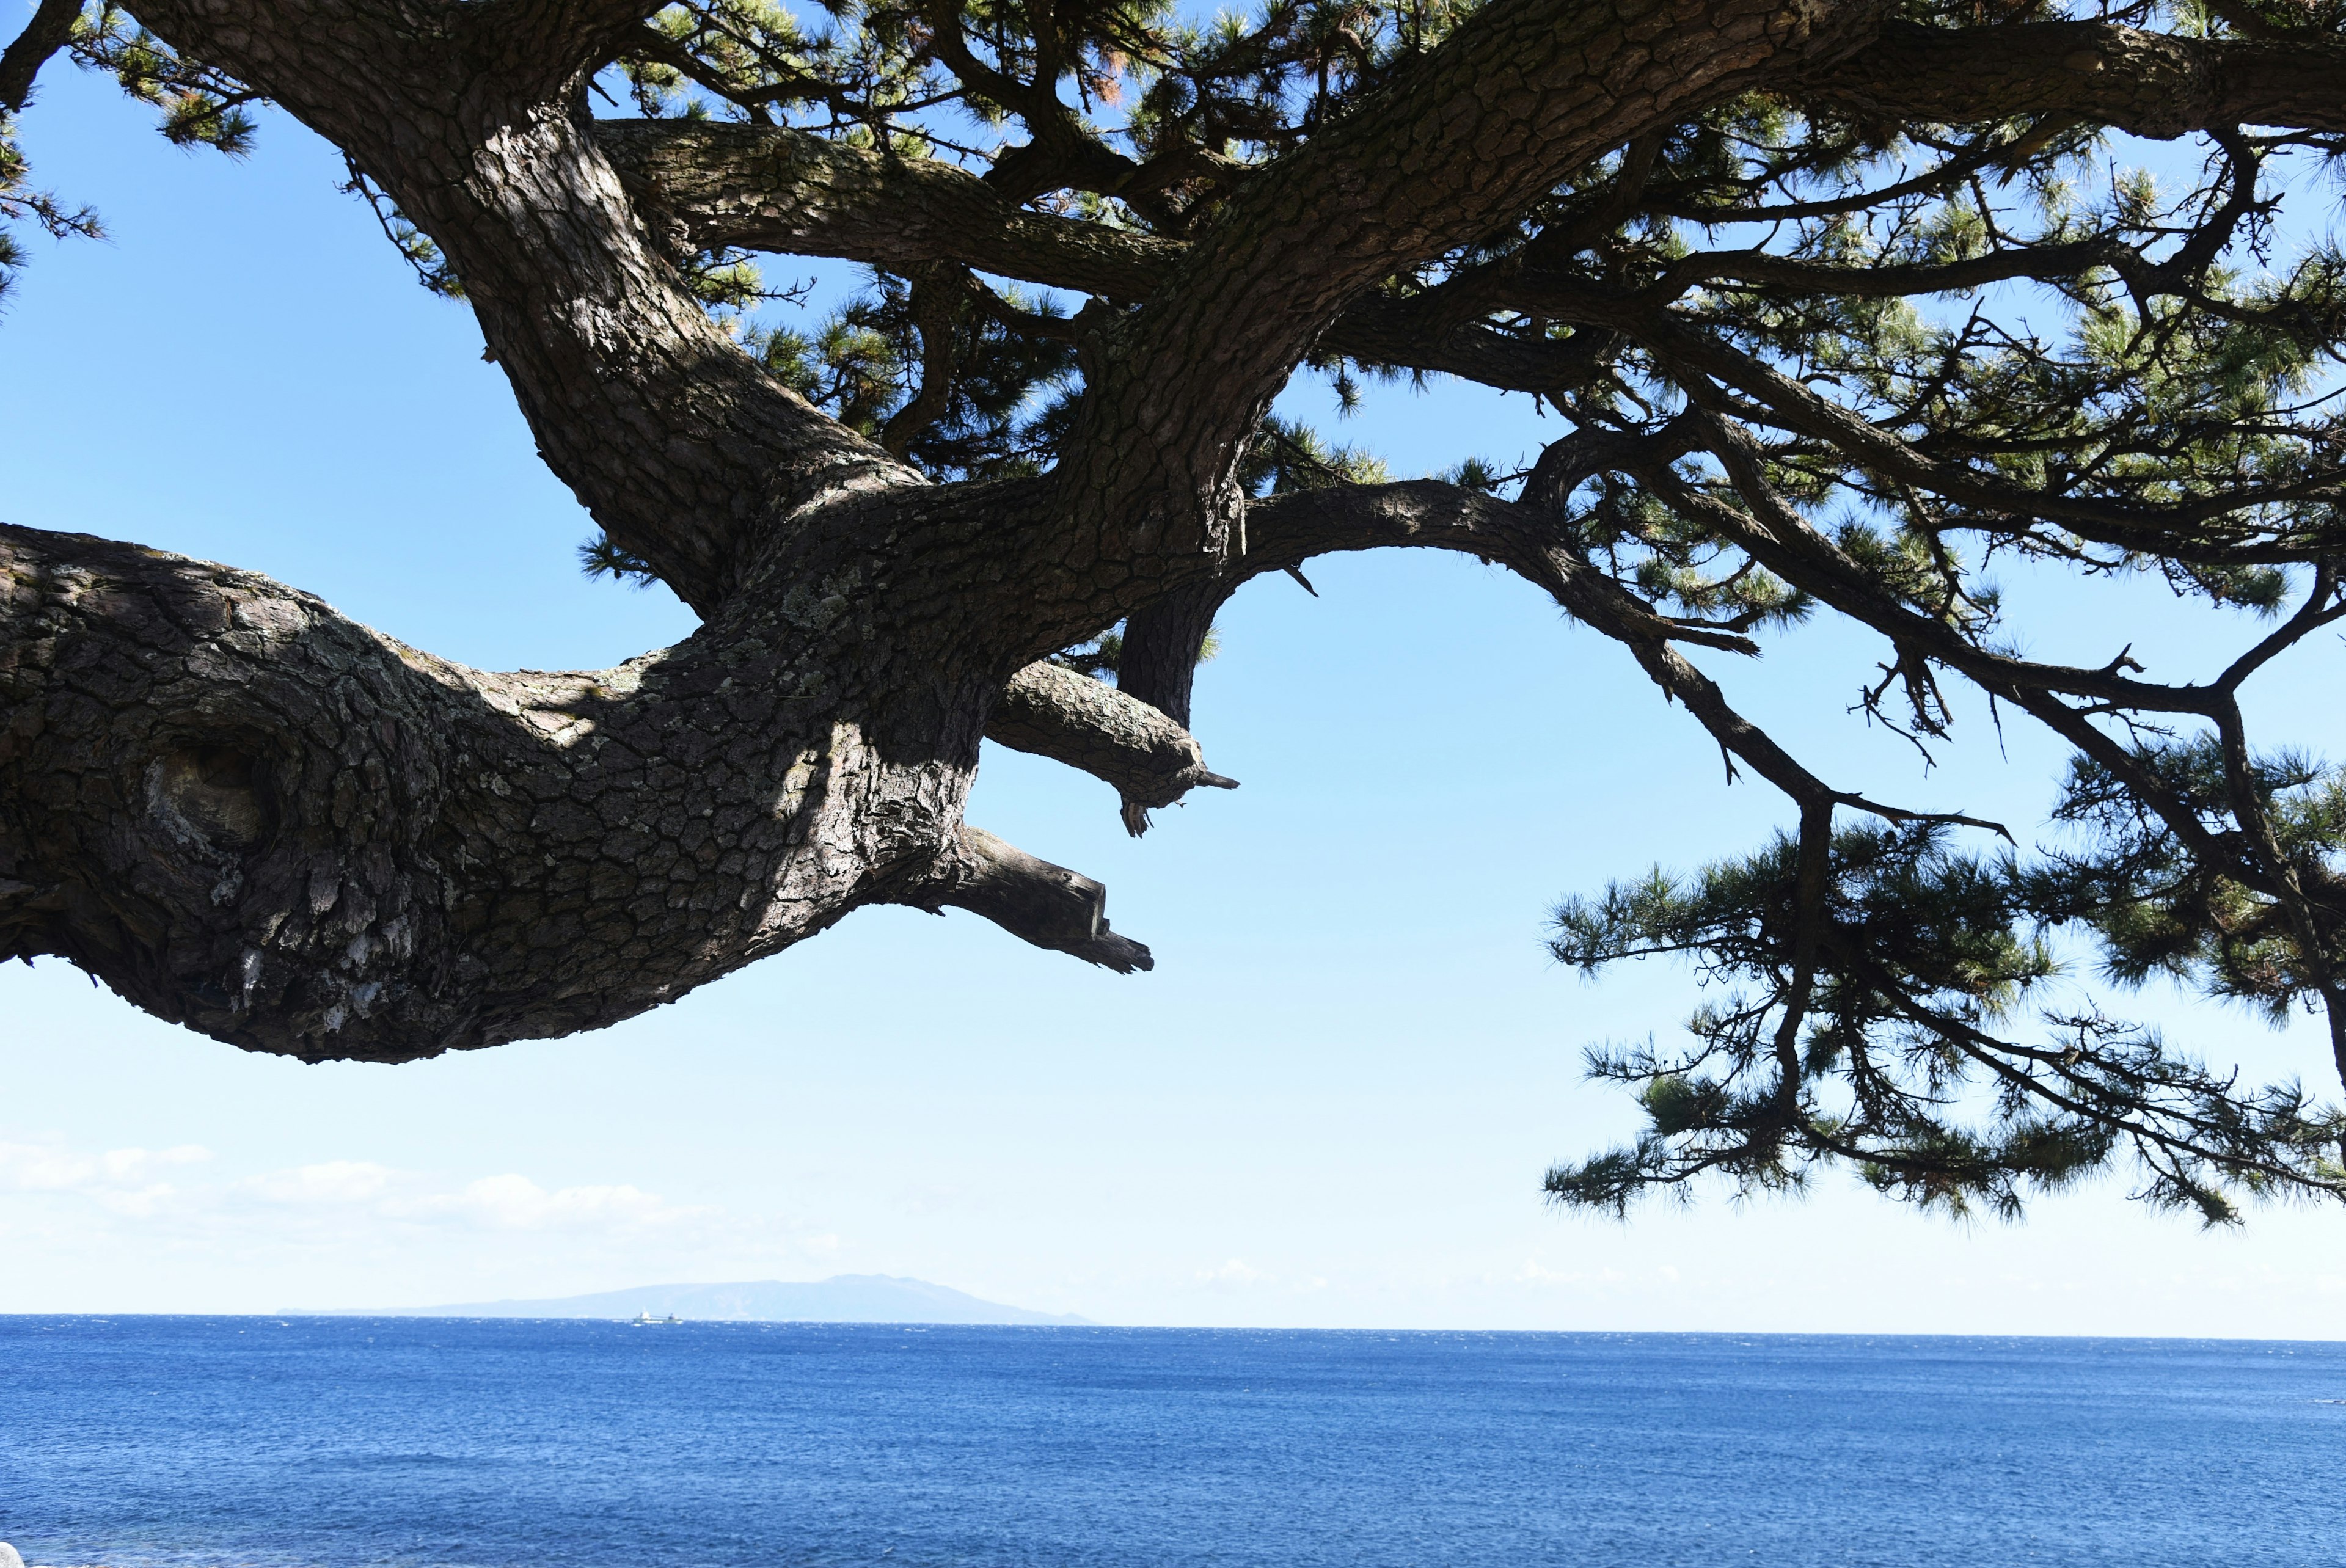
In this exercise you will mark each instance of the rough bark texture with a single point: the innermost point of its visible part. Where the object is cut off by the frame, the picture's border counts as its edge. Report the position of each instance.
(254, 816)
(2147, 82)
(250, 814)
(257, 817)
(1526, 91)
(1107, 732)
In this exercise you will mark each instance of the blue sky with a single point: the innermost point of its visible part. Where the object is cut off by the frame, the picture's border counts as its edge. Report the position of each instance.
(1330, 1103)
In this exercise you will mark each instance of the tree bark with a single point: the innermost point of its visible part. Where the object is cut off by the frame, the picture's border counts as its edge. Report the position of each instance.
(251, 815)
(1128, 740)
(50, 30)
(1521, 93)
(255, 817)
(2147, 83)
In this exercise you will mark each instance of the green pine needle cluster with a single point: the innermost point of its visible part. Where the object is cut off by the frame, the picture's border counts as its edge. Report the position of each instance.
(21, 203)
(1914, 1028)
(200, 107)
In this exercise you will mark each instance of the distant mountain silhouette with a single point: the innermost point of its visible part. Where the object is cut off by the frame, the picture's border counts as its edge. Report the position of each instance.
(842, 1299)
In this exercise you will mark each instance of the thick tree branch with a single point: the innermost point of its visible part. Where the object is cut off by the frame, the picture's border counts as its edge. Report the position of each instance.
(2151, 84)
(785, 190)
(709, 186)
(249, 814)
(1054, 712)
(1521, 93)
(1163, 642)
(942, 297)
(545, 45)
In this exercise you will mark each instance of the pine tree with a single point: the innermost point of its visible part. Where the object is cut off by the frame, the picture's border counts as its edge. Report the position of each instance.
(1835, 304)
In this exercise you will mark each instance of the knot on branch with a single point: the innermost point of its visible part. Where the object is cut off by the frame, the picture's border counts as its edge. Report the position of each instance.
(216, 793)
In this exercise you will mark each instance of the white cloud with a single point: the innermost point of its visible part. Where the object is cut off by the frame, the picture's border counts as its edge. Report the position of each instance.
(28, 1168)
(48, 1168)
(1237, 1271)
(334, 1182)
(514, 1202)
(133, 1165)
(1534, 1273)
(129, 1182)
(125, 1181)
(158, 1230)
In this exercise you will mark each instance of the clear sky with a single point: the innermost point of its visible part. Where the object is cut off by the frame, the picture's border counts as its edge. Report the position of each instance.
(1333, 1102)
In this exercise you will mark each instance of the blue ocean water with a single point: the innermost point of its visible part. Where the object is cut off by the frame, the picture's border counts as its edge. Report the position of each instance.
(342, 1442)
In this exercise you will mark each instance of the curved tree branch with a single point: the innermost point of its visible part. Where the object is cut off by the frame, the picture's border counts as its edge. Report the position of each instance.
(1462, 139)
(50, 30)
(251, 815)
(1528, 541)
(594, 330)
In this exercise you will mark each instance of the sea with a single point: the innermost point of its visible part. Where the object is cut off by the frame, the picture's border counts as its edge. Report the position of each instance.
(343, 1443)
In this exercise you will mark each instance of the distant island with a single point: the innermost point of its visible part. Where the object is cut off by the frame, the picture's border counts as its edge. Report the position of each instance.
(842, 1299)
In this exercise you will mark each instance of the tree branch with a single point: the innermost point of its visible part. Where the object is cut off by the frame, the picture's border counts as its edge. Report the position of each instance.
(777, 189)
(1776, 535)
(550, 42)
(253, 816)
(770, 188)
(2151, 84)
(1780, 539)
(1054, 712)
(708, 186)
(1518, 95)
(1163, 642)
(50, 30)
(1691, 354)
(680, 443)
(1037, 902)
(1427, 512)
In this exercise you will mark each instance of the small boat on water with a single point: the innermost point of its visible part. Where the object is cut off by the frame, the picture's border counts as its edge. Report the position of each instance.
(645, 1320)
